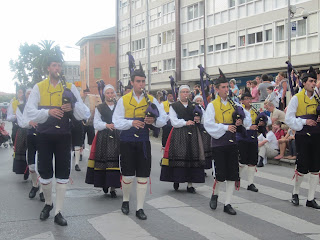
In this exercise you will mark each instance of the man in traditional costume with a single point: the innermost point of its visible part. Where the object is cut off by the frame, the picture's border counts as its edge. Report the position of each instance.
(52, 103)
(303, 117)
(222, 119)
(135, 149)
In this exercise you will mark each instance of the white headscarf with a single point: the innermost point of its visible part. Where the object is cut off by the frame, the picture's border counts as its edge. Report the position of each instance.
(196, 97)
(183, 87)
(107, 87)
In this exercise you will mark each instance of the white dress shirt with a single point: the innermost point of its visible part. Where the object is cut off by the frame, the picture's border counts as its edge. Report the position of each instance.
(11, 116)
(98, 124)
(121, 123)
(294, 122)
(175, 121)
(217, 130)
(32, 113)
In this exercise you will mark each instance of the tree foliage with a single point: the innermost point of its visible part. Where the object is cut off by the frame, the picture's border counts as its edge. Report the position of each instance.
(31, 65)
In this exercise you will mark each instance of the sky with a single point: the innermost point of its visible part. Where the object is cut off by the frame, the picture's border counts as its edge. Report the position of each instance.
(62, 21)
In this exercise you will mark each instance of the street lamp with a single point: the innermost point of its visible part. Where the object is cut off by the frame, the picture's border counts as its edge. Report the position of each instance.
(292, 9)
(72, 47)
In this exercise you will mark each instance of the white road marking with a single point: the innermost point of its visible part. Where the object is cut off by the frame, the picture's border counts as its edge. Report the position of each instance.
(42, 236)
(197, 220)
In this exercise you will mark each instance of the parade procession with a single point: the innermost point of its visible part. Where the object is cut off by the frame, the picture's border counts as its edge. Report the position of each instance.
(182, 120)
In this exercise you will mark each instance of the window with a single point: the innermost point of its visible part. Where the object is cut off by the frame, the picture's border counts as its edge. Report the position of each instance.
(232, 3)
(112, 72)
(210, 48)
(74, 71)
(242, 40)
(251, 38)
(112, 47)
(169, 64)
(242, 1)
(154, 69)
(184, 52)
(221, 46)
(259, 37)
(193, 53)
(201, 49)
(168, 8)
(195, 11)
(159, 39)
(97, 49)
(280, 33)
(268, 34)
(168, 36)
(97, 73)
(138, 44)
(302, 30)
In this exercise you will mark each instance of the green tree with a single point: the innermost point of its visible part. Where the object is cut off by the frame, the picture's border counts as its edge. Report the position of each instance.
(31, 65)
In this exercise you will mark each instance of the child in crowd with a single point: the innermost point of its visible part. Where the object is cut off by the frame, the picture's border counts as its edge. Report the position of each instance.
(273, 96)
(283, 139)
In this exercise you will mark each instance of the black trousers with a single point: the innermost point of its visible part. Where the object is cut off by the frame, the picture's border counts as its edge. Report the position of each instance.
(248, 152)
(89, 130)
(307, 154)
(32, 148)
(135, 158)
(226, 163)
(165, 134)
(58, 145)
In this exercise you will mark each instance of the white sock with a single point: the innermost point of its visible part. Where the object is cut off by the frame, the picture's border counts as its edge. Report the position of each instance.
(60, 193)
(40, 188)
(251, 172)
(313, 182)
(217, 188)
(142, 186)
(47, 192)
(189, 184)
(34, 178)
(242, 168)
(77, 155)
(126, 187)
(229, 191)
(297, 182)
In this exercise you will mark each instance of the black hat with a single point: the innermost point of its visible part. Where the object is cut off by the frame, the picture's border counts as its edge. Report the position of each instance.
(138, 72)
(246, 94)
(310, 73)
(53, 58)
(221, 79)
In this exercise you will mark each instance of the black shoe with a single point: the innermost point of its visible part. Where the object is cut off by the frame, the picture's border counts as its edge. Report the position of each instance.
(113, 194)
(140, 214)
(125, 208)
(42, 199)
(176, 186)
(191, 190)
(295, 199)
(33, 192)
(77, 168)
(105, 190)
(26, 175)
(205, 174)
(80, 157)
(228, 209)
(260, 163)
(312, 204)
(214, 202)
(252, 188)
(45, 213)
(59, 219)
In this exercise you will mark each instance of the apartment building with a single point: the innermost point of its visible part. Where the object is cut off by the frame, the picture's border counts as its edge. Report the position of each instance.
(244, 38)
(71, 70)
(98, 59)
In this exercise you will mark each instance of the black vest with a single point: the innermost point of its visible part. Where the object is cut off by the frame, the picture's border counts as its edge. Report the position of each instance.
(106, 112)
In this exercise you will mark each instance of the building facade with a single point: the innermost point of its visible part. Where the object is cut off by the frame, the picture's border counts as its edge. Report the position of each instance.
(244, 38)
(71, 70)
(98, 59)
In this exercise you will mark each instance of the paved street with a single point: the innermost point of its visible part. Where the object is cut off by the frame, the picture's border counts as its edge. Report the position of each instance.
(172, 215)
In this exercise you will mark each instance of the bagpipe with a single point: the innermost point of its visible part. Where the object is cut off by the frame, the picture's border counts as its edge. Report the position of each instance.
(203, 89)
(132, 66)
(236, 115)
(290, 68)
(67, 97)
(261, 118)
(174, 88)
(101, 86)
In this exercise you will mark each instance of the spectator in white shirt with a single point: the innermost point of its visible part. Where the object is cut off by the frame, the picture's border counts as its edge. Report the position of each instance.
(268, 147)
